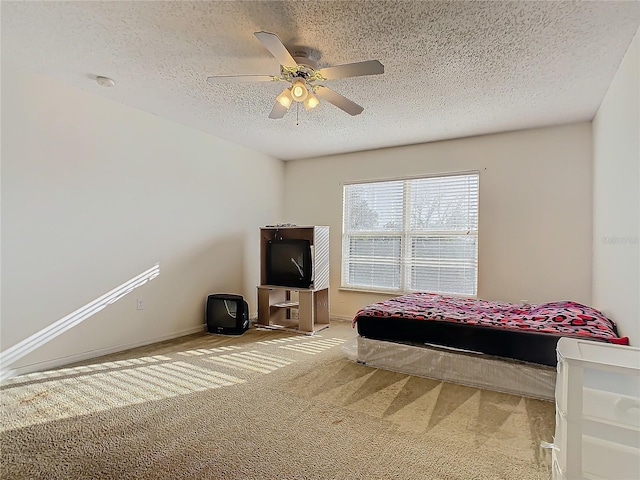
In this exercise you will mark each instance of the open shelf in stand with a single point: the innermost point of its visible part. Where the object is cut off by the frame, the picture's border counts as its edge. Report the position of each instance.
(275, 305)
(287, 304)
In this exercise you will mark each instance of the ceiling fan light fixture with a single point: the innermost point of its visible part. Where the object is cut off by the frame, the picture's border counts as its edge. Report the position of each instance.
(300, 72)
(299, 91)
(285, 99)
(311, 101)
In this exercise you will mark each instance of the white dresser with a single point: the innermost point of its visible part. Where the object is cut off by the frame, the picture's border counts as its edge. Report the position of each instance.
(597, 411)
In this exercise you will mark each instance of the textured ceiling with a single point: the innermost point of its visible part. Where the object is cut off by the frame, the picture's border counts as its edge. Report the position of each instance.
(452, 69)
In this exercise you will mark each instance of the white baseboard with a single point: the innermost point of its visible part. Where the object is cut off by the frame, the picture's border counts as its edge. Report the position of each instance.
(62, 361)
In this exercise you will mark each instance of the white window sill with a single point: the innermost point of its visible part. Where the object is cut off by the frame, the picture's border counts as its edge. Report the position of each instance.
(397, 293)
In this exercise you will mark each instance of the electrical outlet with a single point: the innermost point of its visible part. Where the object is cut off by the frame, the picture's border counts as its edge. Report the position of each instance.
(140, 304)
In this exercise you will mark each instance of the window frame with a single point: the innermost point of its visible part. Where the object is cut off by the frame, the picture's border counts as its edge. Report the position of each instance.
(405, 235)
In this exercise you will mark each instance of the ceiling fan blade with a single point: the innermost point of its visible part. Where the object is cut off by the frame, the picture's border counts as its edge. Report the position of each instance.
(278, 111)
(370, 67)
(338, 100)
(239, 78)
(272, 42)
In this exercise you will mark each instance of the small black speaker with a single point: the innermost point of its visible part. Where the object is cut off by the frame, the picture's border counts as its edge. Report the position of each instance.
(227, 314)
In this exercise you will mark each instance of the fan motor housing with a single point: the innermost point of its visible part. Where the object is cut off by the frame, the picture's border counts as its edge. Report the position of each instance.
(303, 59)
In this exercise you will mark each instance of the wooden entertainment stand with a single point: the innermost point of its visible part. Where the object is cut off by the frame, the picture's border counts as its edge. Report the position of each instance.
(278, 304)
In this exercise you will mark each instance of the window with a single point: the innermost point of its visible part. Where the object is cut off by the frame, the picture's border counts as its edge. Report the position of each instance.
(416, 234)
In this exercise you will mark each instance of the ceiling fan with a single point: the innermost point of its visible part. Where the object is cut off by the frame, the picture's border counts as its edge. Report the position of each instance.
(302, 73)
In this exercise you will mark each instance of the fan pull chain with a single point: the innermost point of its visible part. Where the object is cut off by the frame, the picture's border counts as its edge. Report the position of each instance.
(297, 112)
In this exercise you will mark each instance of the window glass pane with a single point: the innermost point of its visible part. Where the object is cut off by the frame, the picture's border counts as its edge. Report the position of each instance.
(444, 264)
(383, 247)
(445, 203)
(373, 206)
(374, 261)
(443, 279)
(374, 275)
(444, 248)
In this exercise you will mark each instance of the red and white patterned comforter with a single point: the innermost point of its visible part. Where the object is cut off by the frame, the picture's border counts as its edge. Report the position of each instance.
(564, 318)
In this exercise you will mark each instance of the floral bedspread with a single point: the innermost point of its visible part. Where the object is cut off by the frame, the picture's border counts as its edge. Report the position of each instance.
(564, 318)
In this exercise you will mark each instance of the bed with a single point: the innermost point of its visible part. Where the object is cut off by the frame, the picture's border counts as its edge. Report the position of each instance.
(507, 347)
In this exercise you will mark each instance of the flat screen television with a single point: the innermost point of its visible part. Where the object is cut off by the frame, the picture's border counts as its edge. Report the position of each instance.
(288, 263)
(227, 313)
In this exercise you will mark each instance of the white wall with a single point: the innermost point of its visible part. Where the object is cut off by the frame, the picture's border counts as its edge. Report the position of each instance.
(616, 244)
(94, 193)
(535, 207)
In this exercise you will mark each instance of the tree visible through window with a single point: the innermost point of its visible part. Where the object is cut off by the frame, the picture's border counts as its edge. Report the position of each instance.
(416, 234)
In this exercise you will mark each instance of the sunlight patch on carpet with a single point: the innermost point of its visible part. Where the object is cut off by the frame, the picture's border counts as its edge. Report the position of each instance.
(81, 390)
(253, 361)
(83, 369)
(207, 351)
(314, 346)
(278, 341)
(71, 396)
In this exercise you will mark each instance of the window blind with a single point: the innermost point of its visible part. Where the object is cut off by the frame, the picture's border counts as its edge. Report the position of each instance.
(412, 234)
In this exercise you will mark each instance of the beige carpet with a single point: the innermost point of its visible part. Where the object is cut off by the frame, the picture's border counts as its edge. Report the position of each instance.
(265, 405)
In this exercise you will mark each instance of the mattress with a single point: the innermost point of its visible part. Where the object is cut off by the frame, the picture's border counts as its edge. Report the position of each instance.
(525, 332)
